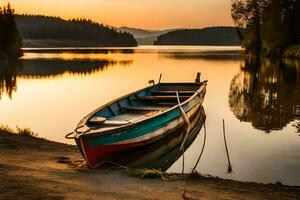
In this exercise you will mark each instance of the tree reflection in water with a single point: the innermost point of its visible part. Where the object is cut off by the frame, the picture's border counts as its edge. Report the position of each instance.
(8, 76)
(48, 68)
(266, 93)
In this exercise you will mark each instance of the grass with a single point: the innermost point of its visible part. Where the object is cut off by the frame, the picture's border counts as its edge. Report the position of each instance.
(297, 126)
(292, 51)
(19, 131)
(156, 173)
(147, 173)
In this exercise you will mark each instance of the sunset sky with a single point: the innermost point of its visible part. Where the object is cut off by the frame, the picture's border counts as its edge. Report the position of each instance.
(149, 14)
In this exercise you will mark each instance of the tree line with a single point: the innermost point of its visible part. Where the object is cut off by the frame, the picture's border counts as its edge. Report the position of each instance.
(10, 40)
(46, 27)
(269, 26)
(206, 36)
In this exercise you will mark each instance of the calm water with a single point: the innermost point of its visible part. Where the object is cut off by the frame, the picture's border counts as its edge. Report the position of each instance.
(50, 90)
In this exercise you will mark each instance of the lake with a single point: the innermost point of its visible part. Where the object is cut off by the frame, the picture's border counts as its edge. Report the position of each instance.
(50, 90)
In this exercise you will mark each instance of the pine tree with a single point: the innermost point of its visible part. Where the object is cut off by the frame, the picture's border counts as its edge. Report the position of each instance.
(10, 40)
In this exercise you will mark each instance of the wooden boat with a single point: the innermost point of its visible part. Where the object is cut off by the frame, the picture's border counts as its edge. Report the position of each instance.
(137, 119)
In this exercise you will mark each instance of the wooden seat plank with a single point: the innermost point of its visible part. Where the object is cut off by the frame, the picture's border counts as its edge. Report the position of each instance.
(146, 108)
(104, 121)
(170, 104)
(162, 97)
(129, 117)
(162, 92)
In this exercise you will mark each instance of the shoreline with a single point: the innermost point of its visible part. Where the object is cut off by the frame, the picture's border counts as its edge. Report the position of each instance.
(7, 57)
(35, 168)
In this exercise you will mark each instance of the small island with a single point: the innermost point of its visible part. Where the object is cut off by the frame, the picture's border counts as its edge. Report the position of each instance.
(221, 36)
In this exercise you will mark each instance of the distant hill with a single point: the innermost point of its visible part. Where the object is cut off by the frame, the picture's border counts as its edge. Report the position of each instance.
(207, 36)
(43, 31)
(136, 32)
(144, 36)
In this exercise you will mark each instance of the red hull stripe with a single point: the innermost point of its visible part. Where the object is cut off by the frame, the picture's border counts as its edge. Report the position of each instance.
(95, 155)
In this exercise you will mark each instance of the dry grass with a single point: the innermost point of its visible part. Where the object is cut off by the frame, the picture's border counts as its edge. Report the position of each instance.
(6, 129)
(292, 51)
(147, 173)
(297, 126)
(19, 131)
(155, 173)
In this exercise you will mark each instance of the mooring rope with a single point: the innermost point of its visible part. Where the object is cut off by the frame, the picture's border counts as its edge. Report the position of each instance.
(181, 149)
(203, 146)
(186, 120)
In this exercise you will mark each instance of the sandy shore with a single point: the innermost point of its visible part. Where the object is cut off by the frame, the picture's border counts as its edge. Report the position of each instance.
(32, 168)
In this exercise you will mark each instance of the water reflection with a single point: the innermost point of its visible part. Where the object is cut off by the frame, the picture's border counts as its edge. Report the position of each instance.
(10, 71)
(80, 50)
(266, 93)
(8, 76)
(278, 158)
(162, 154)
(50, 68)
(203, 55)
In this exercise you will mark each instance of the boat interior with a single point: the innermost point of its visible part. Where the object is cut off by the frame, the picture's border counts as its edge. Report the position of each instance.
(142, 104)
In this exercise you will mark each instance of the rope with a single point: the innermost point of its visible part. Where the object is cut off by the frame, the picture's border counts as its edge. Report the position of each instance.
(182, 172)
(186, 120)
(203, 146)
(118, 165)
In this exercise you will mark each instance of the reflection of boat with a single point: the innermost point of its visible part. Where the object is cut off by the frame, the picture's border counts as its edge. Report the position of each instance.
(137, 119)
(163, 153)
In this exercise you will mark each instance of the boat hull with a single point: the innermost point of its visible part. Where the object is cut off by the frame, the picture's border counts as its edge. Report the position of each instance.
(163, 153)
(97, 148)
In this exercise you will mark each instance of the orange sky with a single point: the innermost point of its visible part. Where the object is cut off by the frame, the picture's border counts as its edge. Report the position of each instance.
(150, 14)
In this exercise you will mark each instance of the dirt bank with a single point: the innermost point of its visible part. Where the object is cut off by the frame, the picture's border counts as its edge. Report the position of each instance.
(32, 168)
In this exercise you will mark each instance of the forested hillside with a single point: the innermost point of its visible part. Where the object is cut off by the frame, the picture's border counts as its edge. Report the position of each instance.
(81, 31)
(205, 36)
(10, 41)
(272, 27)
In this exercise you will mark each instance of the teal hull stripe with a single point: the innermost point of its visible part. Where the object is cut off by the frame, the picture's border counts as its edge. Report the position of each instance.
(142, 129)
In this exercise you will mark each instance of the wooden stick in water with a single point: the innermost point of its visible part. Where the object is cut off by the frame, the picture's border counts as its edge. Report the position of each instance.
(229, 169)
